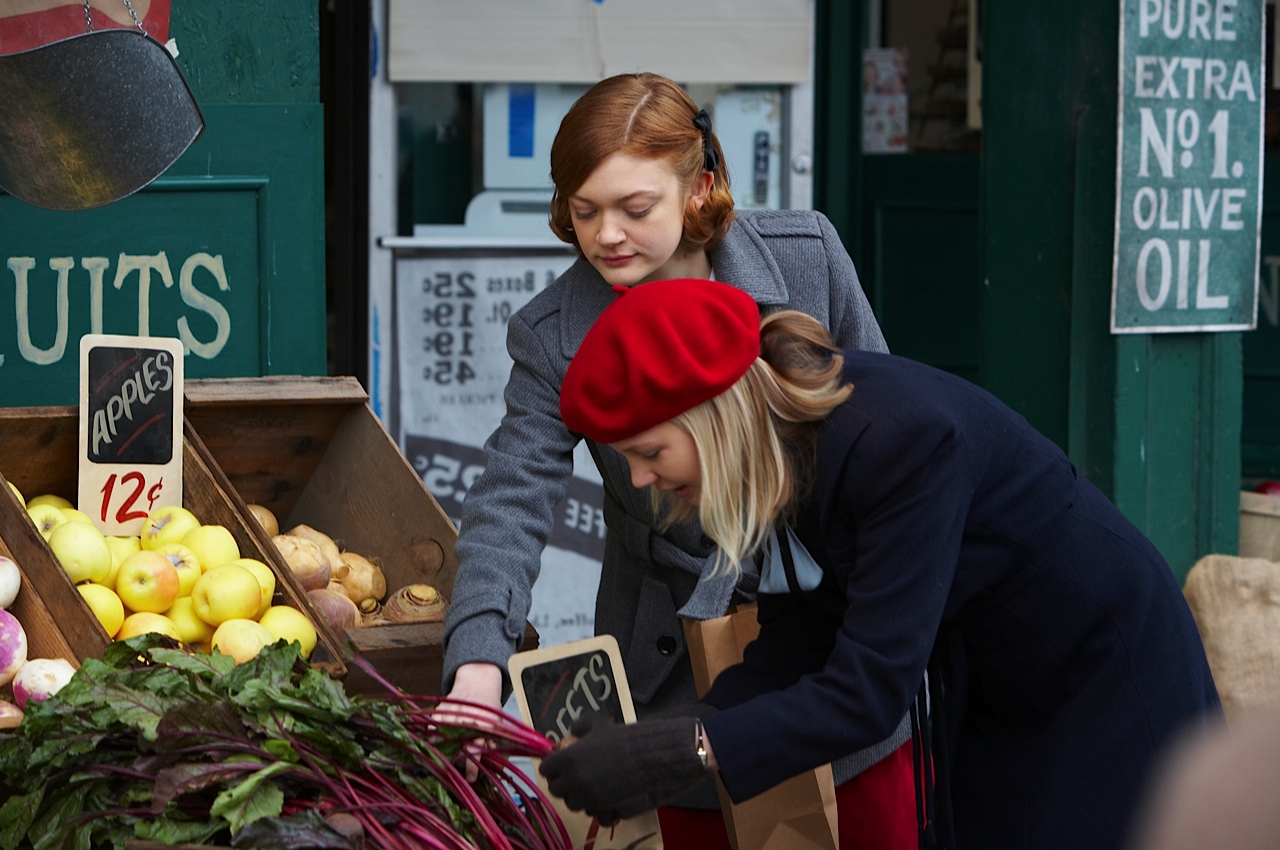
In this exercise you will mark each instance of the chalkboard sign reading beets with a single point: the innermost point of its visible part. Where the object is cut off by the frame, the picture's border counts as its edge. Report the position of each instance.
(556, 685)
(130, 428)
(559, 691)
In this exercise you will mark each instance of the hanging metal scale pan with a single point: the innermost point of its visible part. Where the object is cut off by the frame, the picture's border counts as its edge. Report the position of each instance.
(91, 119)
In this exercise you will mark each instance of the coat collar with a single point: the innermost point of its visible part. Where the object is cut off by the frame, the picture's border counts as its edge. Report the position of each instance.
(742, 259)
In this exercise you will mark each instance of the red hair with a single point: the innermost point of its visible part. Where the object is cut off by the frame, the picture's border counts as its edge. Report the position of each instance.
(643, 115)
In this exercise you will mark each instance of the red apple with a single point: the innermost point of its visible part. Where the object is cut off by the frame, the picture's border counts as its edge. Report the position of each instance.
(147, 582)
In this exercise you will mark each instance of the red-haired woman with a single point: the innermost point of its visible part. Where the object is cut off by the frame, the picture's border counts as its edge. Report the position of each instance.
(642, 193)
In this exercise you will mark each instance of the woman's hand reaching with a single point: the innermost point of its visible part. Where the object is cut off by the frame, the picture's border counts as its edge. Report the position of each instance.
(477, 683)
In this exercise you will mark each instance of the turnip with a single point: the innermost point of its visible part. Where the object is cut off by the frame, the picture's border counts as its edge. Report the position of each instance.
(13, 647)
(41, 678)
(10, 715)
(10, 582)
(334, 608)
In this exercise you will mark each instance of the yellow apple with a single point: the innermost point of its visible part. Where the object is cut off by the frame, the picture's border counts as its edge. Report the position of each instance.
(75, 515)
(228, 592)
(242, 639)
(167, 525)
(147, 581)
(122, 546)
(106, 606)
(46, 517)
(18, 493)
(265, 518)
(192, 629)
(82, 550)
(50, 499)
(144, 622)
(284, 621)
(214, 545)
(266, 580)
(188, 565)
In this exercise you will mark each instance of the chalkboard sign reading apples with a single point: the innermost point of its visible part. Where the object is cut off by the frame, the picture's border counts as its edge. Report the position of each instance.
(555, 686)
(130, 428)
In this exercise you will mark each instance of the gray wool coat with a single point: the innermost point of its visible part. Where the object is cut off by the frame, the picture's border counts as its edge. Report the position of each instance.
(785, 259)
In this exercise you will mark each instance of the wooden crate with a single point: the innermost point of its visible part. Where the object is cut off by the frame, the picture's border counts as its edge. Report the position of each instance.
(39, 452)
(312, 451)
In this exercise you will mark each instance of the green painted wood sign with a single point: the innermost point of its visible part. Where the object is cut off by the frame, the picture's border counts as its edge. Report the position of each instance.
(1189, 166)
(224, 252)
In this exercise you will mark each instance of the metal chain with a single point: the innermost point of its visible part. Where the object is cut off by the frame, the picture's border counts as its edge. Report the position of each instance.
(88, 18)
(134, 15)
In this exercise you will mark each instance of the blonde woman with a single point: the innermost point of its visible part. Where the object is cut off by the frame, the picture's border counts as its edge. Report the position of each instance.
(902, 520)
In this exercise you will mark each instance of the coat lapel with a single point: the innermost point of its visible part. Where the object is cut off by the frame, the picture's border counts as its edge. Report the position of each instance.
(844, 426)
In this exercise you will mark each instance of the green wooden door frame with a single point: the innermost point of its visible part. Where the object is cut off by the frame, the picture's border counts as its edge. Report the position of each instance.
(840, 36)
(1153, 420)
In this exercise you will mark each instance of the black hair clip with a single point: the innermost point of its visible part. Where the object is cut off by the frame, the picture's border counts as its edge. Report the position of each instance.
(710, 159)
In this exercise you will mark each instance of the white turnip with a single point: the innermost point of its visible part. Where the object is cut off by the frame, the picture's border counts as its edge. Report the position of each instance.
(10, 715)
(10, 582)
(361, 580)
(305, 558)
(13, 647)
(41, 678)
(328, 547)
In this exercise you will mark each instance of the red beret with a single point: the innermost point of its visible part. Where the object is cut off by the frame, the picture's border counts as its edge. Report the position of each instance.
(662, 348)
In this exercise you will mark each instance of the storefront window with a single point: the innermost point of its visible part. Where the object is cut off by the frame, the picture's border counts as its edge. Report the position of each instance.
(922, 79)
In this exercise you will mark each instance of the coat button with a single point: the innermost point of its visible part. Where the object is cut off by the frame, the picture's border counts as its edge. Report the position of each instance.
(666, 644)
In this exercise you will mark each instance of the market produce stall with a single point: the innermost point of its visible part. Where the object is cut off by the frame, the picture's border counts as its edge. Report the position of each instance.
(173, 740)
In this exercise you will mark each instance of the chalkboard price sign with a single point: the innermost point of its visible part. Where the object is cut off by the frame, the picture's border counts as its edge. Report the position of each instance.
(130, 428)
(557, 685)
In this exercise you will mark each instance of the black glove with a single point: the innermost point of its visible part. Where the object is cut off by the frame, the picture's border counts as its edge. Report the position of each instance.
(614, 771)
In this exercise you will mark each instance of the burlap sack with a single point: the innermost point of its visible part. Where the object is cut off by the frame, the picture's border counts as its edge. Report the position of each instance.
(1236, 604)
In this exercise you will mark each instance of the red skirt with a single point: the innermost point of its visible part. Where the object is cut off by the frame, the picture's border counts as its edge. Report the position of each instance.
(877, 811)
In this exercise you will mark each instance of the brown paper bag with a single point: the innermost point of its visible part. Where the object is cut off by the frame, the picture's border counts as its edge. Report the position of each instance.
(799, 814)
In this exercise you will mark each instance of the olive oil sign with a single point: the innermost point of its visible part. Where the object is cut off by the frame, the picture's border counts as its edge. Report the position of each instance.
(1189, 166)
(130, 428)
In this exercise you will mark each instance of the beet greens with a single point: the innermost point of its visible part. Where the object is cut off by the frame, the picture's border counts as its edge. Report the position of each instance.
(156, 743)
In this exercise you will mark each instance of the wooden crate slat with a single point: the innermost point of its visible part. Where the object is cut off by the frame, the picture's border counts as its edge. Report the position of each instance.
(277, 447)
(292, 389)
(30, 436)
(70, 614)
(44, 636)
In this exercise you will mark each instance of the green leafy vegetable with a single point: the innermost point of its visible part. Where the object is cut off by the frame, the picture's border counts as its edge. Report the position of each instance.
(153, 742)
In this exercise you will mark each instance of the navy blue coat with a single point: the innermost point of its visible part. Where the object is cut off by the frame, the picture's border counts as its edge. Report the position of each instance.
(955, 538)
